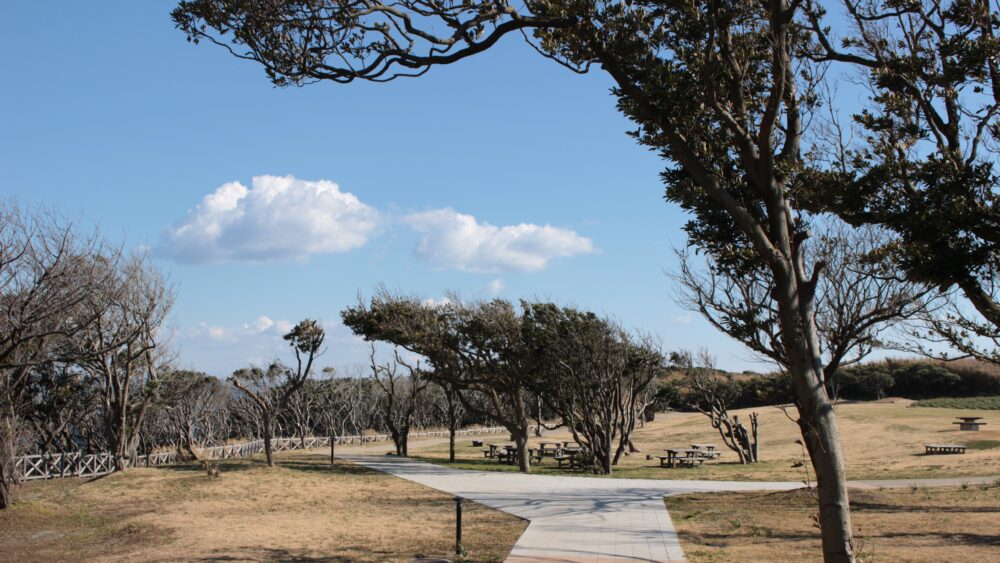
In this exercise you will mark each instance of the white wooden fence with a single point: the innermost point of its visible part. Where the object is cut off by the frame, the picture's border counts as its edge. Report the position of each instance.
(76, 464)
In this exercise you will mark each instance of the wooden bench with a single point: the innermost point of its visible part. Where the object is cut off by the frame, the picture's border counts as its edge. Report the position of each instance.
(937, 449)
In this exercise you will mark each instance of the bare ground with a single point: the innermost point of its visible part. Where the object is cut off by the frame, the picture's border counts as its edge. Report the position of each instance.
(301, 510)
(944, 524)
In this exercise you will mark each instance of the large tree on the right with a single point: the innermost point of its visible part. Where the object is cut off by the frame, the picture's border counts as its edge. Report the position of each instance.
(925, 167)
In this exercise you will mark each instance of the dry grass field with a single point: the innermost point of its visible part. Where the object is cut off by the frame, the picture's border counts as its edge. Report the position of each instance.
(945, 524)
(302, 510)
(882, 440)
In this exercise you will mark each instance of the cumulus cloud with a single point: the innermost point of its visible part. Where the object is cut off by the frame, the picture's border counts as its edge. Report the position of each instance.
(457, 241)
(278, 217)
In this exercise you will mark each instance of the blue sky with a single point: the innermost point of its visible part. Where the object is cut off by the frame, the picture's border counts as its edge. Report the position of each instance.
(108, 114)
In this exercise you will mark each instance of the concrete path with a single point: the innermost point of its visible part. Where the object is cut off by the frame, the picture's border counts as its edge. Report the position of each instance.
(572, 519)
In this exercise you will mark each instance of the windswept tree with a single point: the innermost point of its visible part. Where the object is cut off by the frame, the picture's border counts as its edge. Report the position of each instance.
(924, 163)
(402, 387)
(270, 390)
(478, 348)
(592, 373)
(720, 90)
(188, 402)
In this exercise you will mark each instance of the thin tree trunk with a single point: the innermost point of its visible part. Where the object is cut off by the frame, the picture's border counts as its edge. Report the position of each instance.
(451, 442)
(523, 456)
(268, 453)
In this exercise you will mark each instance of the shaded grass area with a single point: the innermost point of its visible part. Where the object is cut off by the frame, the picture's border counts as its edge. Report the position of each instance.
(977, 403)
(302, 510)
(944, 524)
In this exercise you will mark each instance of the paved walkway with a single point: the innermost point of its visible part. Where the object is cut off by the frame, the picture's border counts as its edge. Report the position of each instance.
(572, 519)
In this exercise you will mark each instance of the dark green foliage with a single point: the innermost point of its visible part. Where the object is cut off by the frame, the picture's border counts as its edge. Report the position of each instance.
(924, 380)
(756, 391)
(978, 403)
(863, 383)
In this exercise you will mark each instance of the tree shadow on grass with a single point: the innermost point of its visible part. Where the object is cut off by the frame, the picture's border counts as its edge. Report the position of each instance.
(338, 468)
(897, 509)
(274, 554)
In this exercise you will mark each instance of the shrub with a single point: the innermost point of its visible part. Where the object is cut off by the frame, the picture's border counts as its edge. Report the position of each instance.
(917, 380)
(863, 383)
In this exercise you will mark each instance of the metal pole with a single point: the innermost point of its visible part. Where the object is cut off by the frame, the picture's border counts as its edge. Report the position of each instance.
(458, 526)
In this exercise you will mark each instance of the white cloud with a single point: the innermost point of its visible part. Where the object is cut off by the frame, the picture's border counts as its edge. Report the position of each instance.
(278, 217)
(455, 240)
(495, 286)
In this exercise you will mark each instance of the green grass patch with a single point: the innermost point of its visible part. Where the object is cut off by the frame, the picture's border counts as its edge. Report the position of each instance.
(982, 444)
(977, 403)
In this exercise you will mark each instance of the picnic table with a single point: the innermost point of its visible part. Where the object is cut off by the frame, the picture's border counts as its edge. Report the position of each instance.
(477, 443)
(935, 449)
(545, 450)
(494, 449)
(568, 456)
(969, 422)
(707, 450)
(681, 458)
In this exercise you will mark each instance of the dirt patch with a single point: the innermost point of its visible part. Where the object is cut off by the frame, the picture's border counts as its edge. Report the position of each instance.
(945, 524)
(301, 510)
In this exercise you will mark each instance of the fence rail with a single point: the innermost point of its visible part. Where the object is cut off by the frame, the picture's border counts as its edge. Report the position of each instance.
(78, 464)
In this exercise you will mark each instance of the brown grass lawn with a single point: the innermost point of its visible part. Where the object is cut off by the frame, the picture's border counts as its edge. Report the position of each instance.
(302, 510)
(946, 524)
(881, 440)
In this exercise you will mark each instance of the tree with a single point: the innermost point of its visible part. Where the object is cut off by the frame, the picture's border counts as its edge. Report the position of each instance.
(188, 401)
(478, 348)
(857, 298)
(48, 269)
(713, 400)
(592, 373)
(400, 393)
(720, 90)
(122, 349)
(925, 165)
(270, 390)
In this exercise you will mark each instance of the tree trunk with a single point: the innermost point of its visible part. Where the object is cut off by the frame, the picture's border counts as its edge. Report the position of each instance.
(6, 496)
(817, 422)
(333, 445)
(523, 456)
(268, 453)
(451, 442)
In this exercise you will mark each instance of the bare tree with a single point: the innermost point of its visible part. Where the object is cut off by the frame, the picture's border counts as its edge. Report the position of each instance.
(122, 350)
(400, 392)
(857, 299)
(713, 400)
(48, 270)
(271, 389)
